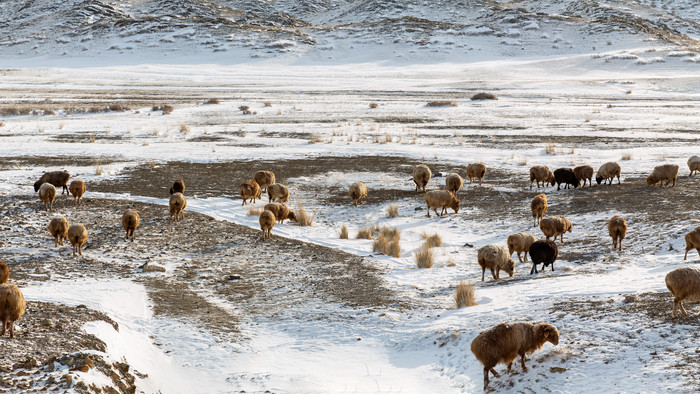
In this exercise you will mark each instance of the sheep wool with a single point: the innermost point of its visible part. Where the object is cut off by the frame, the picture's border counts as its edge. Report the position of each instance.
(12, 303)
(584, 173)
(617, 228)
(281, 211)
(495, 258)
(476, 170)
(58, 228)
(694, 164)
(130, 222)
(249, 190)
(454, 183)
(77, 235)
(519, 243)
(541, 174)
(267, 222)
(278, 192)
(77, 189)
(441, 199)
(177, 187)
(684, 284)
(663, 174)
(555, 226)
(56, 178)
(47, 195)
(692, 241)
(178, 203)
(264, 179)
(421, 176)
(358, 191)
(539, 208)
(608, 171)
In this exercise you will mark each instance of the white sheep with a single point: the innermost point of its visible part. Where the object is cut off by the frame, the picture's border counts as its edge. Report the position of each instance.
(358, 191)
(519, 243)
(58, 228)
(617, 228)
(453, 182)
(47, 194)
(178, 203)
(278, 192)
(584, 173)
(684, 284)
(495, 258)
(555, 226)
(538, 206)
(608, 171)
(663, 175)
(692, 241)
(77, 235)
(421, 176)
(694, 164)
(541, 174)
(441, 199)
(476, 170)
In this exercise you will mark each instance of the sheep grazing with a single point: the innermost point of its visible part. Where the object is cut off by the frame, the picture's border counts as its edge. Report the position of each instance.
(77, 189)
(177, 187)
(281, 211)
(684, 284)
(584, 173)
(77, 235)
(267, 222)
(666, 173)
(278, 192)
(130, 222)
(56, 178)
(264, 179)
(555, 226)
(694, 164)
(178, 203)
(692, 241)
(519, 243)
(249, 190)
(58, 227)
(495, 258)
(543, 252)
(565, 176)
(441, 199)
(476, 170)
(608, 171)
(12, 303)
(453, 183)
(541, 174)
(47, 194)
(421, 176)
(506, 341)
(539, 208)
(358, 191)
(617, 227)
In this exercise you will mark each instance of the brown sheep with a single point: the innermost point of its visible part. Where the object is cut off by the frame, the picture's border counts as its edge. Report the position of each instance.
(264, 179)
(77, 235)
(12, 303)
(519, 243)
(130, 222)
(476, 170)
(47, 194)
(56, 178)
(617, 228)
(178, 203)
(495, 258)
(694, 164)
(692, 241)
(608, 171)
(684, 284)
(421, 176)
(539, 208)
(267, 222)
(454, 182)
(665, 173)
(441, 199)
(278, 192)
(177, 187)
(249, 190)
(77, 189)
(358, 191)
(506, 341)
(281, 211)
(58, 227)
(555, 226)
(584, 173)
(541, 174)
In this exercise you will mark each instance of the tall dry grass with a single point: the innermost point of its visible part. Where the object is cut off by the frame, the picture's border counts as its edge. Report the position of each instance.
(425, 257)
(303, 217)
(387, 242)
(464, 296)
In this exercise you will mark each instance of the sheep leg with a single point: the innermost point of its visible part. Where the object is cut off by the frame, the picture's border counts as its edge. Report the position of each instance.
(522, 361)
(428, 210)
(12, 329)
(534, 268)
(479, 181)
(519, 259)
(674, 310)
(486, 377)
(686, 254)
(680, 302)
(4, 324)
(552, 266)
(509, 365)
(494, 274)
(483, 271)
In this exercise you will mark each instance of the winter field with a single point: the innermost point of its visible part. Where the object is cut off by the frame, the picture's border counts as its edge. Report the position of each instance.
(308, 311)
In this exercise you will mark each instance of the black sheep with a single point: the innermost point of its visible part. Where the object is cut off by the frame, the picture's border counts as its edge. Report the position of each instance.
(566, 176)
(178, 187)
(56, 178)
(544, 252)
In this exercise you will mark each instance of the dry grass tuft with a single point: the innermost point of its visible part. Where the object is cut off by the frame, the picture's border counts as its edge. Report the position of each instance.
(392, 211)
(184, 128)
(425, 257)
(522, 161)
(432, 241)
(464, 296)
(254, 211)
(388, 242)
(212, 101)
(315, 138)
(365, 233)
(373, 105)
(165, 108)
(441, 103)
(343, 233)
(267, 104)
(303, 217)
(484, 96)
(627, 156)
(98, 169)
(550, 149)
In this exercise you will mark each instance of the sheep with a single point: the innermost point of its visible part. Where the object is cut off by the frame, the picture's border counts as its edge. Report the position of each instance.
(495, 258)
(543, 252)
(249, 190)
(130, 222)
(77, 189)
(694, 164)
(421, 176)
(582, 173)
(538, 206)
(476, 170)
(441, 199)
(565, 176)
(47, 194)
(281, 211)
(264, 179)
(56, 178)
(617, 228)
(519, 243)
(555, 226)
(608, 171)
(541, 174)
(267, 222)
(692, 241)
(664, 173)
(77, 235)
(684, 284)
(12, 303)
(358, 191)
(506, 341)
(177, 187)
(278, 192)
(178, 203)
(58, 228)
(453, 183)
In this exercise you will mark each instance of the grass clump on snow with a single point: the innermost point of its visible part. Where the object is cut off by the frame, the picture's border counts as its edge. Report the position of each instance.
(343, 234)
(212, 101)
(303, 217)
(441, 103)
(464, 296)
(627, 156)
(432, 241)
(424, 257)
(365, 233)
(393, 211)
(388, 242)
(254, 211)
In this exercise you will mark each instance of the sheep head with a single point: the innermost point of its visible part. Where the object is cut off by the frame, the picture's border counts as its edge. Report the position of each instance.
(599, 179)
(291, 216)
(454, 204)
(510, 267)
(37, 185)
(545, 332)
(652, 180)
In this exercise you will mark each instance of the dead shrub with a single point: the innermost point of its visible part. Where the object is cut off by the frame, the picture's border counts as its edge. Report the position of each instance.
(303, 217)
(343, 233)
(98, 169)
(365, 233)
(425, 257)
(165, 108)
(484, 96)
(267, 104)
(392, 211)
(550, 149)
(184, 128)
(464, 296)
(373, 105)
(117, 108)
(441, 103)
(388, 242)
(432, 241)
(254, 211)
(627, 156)
(212, 101)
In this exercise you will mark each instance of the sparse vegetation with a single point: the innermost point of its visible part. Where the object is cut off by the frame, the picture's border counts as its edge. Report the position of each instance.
(315, 138)
(432, 240)
(392, 211)
(245, 109)
(373, 105)
(388, 242)
(212, 101)
(522, 161)
(425, 257)
(442, 103)
(98, 169)
(550, 149)
(303, 217)
(184, 128)
(165, 108)
(484, 96)
(365, 233)
(464, 296)
(252, 211)
(343, 233)
(626, 156)
(267, 104)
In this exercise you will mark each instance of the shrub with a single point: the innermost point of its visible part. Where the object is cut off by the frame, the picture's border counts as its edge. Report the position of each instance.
(549, 149)
(484, 96)
(184, 128)
(373, 105)
(303, 217)
(254, 211)
(424, 257)
(393, 211)
(167, 109)
(442, 103)
(212, 101)
(432, 241)
(464, 296)
(364, 233)
(343, 234)
(627, 156)
(388, 242)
